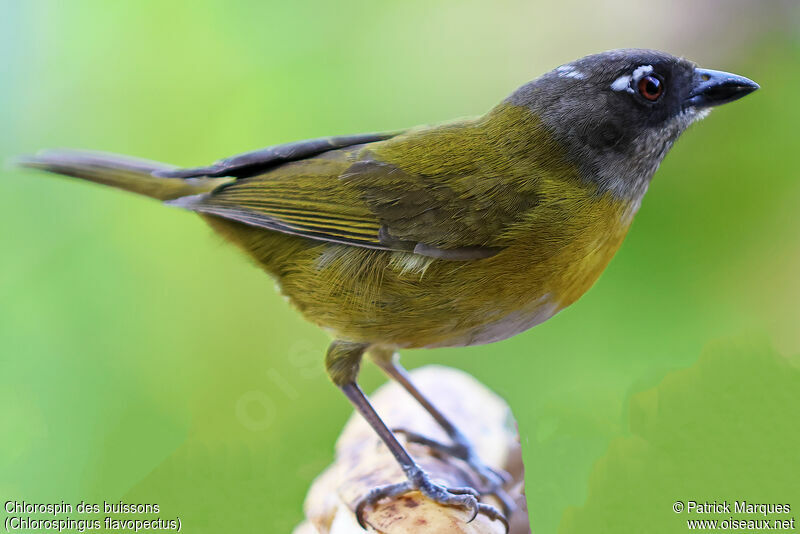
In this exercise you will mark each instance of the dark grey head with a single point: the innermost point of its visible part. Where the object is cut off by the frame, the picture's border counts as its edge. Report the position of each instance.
(619, 112)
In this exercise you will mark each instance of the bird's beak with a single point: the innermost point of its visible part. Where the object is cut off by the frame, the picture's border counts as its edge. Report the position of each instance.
(715, 87)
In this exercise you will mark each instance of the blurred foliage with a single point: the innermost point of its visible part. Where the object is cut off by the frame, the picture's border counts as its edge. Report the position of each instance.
(142, 359)
(721, 430)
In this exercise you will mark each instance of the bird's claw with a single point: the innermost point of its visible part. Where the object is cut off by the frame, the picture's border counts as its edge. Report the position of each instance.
(493, 479)
(494, 514)
(464, 497)
(378, 494)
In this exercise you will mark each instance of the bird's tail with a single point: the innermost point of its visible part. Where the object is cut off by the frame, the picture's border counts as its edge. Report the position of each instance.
(123, 172)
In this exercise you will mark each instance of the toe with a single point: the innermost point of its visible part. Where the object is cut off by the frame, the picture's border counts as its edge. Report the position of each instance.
(465, 491)
(493, 513)
(377, 494)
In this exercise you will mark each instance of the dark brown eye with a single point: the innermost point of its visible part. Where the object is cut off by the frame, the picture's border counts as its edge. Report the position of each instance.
(651, 87)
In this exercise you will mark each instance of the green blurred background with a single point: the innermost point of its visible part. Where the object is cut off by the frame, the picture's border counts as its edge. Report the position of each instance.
(142, 359)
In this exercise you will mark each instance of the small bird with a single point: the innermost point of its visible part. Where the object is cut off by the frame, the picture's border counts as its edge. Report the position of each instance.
(459, 234)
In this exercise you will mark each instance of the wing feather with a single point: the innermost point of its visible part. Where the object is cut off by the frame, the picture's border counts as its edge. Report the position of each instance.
(352, 196)
(259, 161)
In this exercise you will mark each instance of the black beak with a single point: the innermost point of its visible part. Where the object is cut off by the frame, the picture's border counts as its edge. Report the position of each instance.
(715, 87)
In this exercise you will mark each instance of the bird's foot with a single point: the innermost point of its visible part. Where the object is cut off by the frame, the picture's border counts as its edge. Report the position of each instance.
(493, 479)
(466, 498)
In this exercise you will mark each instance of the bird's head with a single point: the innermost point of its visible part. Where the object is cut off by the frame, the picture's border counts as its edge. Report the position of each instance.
(618, 113)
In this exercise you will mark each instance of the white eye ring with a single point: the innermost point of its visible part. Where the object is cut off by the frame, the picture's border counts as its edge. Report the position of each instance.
(628, 81)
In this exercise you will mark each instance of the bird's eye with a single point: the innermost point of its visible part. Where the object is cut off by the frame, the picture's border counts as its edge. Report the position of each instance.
(651, 87)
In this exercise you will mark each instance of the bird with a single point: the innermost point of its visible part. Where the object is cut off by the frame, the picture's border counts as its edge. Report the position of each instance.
(452, 235)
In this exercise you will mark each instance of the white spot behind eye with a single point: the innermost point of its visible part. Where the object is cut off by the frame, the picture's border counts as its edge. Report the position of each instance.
(569, 71)
(623, 83)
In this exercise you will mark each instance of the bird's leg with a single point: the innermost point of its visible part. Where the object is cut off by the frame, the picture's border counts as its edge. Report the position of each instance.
(461, 447)
(342, 362)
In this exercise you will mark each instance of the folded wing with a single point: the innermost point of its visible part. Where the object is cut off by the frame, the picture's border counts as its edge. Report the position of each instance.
(351, 196)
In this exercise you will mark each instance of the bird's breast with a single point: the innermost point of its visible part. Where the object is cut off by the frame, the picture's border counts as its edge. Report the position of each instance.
(546, 278)
(581, 261)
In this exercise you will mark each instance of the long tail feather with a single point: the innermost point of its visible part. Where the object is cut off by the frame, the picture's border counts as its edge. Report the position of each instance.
(123, 172)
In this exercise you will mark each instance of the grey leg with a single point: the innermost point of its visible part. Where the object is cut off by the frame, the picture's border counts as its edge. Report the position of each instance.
(342, 361)
(460, 448)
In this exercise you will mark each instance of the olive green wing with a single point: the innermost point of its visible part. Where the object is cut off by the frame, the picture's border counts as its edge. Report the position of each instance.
(350, 196)
(262, 160)
(455, 215)
(304, 198)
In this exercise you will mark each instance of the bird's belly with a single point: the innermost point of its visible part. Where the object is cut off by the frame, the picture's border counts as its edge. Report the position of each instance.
(507, 326)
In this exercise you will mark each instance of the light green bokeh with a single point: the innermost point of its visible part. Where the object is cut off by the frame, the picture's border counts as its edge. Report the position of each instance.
(142, 359)
(723, 430)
